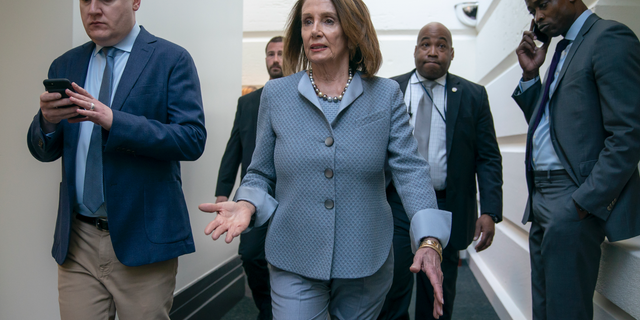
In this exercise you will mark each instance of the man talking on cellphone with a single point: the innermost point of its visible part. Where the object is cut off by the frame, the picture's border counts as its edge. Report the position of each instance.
(122, 217)
(582, 152)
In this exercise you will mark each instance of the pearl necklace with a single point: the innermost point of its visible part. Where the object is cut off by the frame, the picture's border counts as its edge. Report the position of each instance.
(324, 96)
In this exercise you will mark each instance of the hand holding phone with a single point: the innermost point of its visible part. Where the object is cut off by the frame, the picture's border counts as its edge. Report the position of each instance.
(60, 86)
(539, 35)
(530, 56)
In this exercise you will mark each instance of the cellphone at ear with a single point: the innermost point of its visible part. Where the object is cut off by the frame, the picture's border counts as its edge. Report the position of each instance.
(539, 35)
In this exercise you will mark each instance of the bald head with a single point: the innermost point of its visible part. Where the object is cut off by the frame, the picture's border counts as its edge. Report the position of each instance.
(435, 27)
(434, 51)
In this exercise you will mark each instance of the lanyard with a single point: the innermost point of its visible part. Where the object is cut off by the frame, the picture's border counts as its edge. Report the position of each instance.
(432, 101)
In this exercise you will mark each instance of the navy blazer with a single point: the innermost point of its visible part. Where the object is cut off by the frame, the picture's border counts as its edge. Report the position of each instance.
(322, 183)
(241, 143)
(158, 120)
(595, 124)
(472, 151)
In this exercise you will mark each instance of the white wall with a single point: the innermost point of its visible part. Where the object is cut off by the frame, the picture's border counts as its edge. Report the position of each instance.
(33, 34)
(397, 24)
(31, 38)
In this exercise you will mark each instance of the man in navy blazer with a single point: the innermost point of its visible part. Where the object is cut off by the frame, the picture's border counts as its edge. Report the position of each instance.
(462, 146)
(122, 255)
(583, 148)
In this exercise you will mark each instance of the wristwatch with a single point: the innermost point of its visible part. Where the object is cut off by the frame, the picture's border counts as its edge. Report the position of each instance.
(493, 217)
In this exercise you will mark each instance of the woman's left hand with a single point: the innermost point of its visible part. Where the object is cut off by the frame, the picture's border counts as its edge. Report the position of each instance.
(93, 110)
(428, 261)
(232, 218)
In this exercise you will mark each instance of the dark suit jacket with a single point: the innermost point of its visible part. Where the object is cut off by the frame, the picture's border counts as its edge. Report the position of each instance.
(241, 143)
(595, 124)
(158, 121)
(472, 149)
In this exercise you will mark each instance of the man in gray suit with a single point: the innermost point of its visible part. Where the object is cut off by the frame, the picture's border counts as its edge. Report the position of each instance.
(583, 148)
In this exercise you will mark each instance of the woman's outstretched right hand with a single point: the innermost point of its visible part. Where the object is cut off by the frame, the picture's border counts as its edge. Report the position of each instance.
(232, 218)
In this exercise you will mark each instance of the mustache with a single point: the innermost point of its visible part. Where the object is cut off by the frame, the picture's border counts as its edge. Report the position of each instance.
(275, 64)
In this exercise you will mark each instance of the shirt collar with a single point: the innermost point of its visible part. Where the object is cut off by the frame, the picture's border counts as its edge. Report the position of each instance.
(441, 81)
(125, 44)
(577, 25)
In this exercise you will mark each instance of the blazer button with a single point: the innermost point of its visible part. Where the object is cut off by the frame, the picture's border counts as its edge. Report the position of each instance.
(328, 173)
(40, 143)
(328, 142)
(328, 204)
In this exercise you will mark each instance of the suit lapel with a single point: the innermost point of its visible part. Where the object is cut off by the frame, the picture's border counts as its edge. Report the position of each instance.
(403, 81)
(353, 92)
(575, 45)
(306, 90)
(140, 55)
(454, 96)
(77, 74)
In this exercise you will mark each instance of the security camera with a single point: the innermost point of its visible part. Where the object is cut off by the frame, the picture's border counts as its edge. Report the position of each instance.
(466, 12)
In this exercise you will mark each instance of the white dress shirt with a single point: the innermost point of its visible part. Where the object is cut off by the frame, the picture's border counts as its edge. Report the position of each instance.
(92, 85)
(437, 157)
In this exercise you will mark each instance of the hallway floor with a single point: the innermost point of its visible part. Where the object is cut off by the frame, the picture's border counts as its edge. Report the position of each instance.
(471, 303)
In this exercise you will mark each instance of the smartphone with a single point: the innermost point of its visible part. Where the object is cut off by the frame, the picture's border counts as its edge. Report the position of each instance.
(539, 35)
(59, 86)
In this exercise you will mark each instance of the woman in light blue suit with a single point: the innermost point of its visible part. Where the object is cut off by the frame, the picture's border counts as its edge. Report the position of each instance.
(318, 172)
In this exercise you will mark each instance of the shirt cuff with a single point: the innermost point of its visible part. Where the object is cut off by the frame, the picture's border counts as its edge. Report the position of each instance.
(430, 223)
(265, 204)
(47, 135)
(524, 85)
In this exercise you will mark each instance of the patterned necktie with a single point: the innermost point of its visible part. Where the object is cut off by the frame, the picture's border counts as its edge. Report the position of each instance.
(545, 97)
(93, 180)
(422, 128)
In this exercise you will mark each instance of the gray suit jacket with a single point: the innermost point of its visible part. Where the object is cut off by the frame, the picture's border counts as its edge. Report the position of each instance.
(323, 184)
(595, 124)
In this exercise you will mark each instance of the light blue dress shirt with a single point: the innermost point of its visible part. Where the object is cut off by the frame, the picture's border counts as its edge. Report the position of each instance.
(92, 85)
(544, 155)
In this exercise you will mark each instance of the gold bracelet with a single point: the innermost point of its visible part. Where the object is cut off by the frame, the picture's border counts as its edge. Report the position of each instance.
(433, 244)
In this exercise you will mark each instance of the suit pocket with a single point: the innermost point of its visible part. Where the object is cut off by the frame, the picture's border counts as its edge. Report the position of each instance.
(370, 118)
(146, 90)
(586, 167)
(166, 218)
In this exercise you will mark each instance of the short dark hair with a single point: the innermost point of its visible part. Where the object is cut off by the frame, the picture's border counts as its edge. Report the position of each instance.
(273, 40)
(364, 49)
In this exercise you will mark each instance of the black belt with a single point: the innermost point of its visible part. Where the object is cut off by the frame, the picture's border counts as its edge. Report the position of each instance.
(550, 173)
(99, 223)
(441, 194)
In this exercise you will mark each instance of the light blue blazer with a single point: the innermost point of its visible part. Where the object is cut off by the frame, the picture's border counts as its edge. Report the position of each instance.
(323, 184)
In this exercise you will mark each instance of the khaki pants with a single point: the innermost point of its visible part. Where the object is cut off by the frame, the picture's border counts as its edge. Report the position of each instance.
(93, 284)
